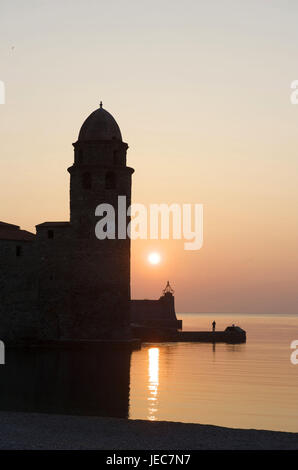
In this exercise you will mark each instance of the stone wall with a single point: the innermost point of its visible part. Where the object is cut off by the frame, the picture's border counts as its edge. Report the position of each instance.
(155, 313)
(55, 270)
(18, 290)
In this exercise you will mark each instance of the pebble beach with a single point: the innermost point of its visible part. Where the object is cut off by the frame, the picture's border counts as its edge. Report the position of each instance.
(29, 431)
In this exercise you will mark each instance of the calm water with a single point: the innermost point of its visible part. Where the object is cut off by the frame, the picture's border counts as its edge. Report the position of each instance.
(252, 385)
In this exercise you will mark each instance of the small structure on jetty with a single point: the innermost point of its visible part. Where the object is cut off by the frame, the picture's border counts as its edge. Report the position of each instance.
(158, 313)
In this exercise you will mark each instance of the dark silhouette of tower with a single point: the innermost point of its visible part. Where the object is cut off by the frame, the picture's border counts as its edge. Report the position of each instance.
(101, 268)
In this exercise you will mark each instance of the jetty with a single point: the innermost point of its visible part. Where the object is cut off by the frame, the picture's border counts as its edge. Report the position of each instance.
(232, 335)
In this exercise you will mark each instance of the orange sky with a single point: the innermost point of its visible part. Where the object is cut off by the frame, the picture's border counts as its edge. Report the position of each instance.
(201, 94)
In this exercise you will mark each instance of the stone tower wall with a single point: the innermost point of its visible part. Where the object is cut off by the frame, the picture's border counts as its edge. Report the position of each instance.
(101, 268)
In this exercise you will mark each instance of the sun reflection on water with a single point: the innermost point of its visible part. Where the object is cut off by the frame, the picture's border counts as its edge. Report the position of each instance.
(153, 381)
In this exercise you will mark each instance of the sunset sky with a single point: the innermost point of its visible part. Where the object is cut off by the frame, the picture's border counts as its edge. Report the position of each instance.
(201, 92)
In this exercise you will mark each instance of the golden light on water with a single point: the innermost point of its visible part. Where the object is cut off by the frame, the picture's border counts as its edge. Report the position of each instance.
(153, 382)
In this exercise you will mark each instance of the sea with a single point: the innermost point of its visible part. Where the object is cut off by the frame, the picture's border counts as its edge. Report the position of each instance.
(251, 386)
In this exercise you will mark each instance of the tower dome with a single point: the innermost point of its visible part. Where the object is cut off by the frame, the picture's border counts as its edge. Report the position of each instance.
(100, 125)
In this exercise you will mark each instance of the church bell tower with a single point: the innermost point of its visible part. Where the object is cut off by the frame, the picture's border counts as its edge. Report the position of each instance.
(101, 268)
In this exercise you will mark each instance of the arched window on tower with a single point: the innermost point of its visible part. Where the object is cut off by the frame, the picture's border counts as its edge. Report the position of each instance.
(80, 156)
(116, 157)
(19, 250)
(84, 226)
(86, 180)
(110, 182)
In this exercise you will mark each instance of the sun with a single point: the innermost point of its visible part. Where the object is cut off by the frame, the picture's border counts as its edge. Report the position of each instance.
(154, 258)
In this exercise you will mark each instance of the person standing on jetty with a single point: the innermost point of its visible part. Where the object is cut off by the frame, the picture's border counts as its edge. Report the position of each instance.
(213, 325)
